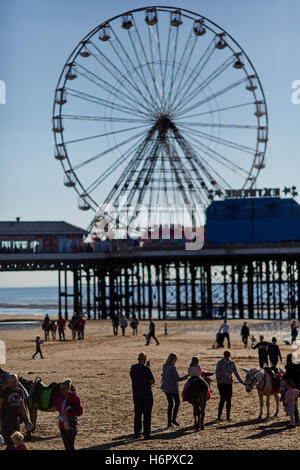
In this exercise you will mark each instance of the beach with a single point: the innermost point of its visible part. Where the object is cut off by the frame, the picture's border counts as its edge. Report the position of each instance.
(99, 367)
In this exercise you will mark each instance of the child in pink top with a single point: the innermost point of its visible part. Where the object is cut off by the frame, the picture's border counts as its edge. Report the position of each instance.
(289, 400)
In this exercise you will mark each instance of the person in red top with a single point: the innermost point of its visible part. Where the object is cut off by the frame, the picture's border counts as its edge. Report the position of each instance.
(61, 323)
(80, 326)
(18, 441)
(69, 407)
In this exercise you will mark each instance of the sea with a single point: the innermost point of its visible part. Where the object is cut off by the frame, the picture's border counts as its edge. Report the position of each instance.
(29, 301)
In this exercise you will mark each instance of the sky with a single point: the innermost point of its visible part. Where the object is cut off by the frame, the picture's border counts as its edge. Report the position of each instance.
(36, 37)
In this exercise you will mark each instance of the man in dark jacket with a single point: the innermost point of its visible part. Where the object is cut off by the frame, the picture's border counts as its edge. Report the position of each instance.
(262, 352)
(151, 334)
(142, 379)
(274, 354)
(245, 333)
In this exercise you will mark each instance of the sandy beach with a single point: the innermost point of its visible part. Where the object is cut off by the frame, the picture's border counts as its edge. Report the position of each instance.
(99, 367)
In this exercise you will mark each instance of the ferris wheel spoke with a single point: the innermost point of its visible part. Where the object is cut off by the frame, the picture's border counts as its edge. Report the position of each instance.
(131, 65)
(208, 124)
(195, 72)
(194, 92)
(120, 188)
(82, 139)
(212, 96)
(178, 168)
(222, 159)
(103, 118)
(153, 52)
(114, 166)
(226, 143)
(184, 61)
(103, 84)
(160, 63)
(144, 177)
(135, 44)
(106, 103)
(191, 155)
(173, 59)
(102, 154)
(141, 99)
(166, 61)
(226, 108)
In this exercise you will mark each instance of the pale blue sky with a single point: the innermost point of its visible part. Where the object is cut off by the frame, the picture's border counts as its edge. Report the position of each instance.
(36, 37)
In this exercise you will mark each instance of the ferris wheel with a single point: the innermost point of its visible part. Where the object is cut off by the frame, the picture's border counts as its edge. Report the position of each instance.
(158, 106)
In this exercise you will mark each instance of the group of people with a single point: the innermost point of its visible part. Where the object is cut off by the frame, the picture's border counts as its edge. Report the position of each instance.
(76, 325)
(14, 410)
(142, 380)
(123, 323)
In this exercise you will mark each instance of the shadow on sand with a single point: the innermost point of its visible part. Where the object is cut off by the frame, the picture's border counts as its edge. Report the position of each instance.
(158, 434)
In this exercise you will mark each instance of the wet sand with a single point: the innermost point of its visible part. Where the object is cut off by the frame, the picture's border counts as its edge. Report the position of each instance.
(99, 367)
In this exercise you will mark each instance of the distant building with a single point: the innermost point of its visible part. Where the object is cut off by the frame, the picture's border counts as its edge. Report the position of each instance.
(41, 237)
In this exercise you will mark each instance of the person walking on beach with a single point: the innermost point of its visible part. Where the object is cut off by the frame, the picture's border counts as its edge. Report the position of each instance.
(69, 407)
(61, 323)
(170, 379)
(142, 380)
(11, 408)
(134, 325)
(274, 354)
(80, 326)
(262, 347)
(123, 324)
(294, 331)
(115, 323)
(290, 397)
(151, 334)
(38, 343)
(225, 330)
(73, 325)
(245, 333)
(224, 370)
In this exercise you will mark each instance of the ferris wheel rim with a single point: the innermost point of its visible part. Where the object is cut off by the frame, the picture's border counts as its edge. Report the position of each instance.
(76, 51)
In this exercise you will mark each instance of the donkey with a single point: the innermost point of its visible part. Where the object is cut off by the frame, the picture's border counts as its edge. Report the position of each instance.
(261, 378)
(197, 394)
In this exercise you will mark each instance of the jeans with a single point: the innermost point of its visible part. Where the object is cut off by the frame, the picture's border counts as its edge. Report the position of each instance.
(225, 391)
(68, 437)
(115, 329)
(291, 410)
(173, 397)
(61, 332)
(142, 408)
(226, 335)
(245, 340)
(80, 332)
